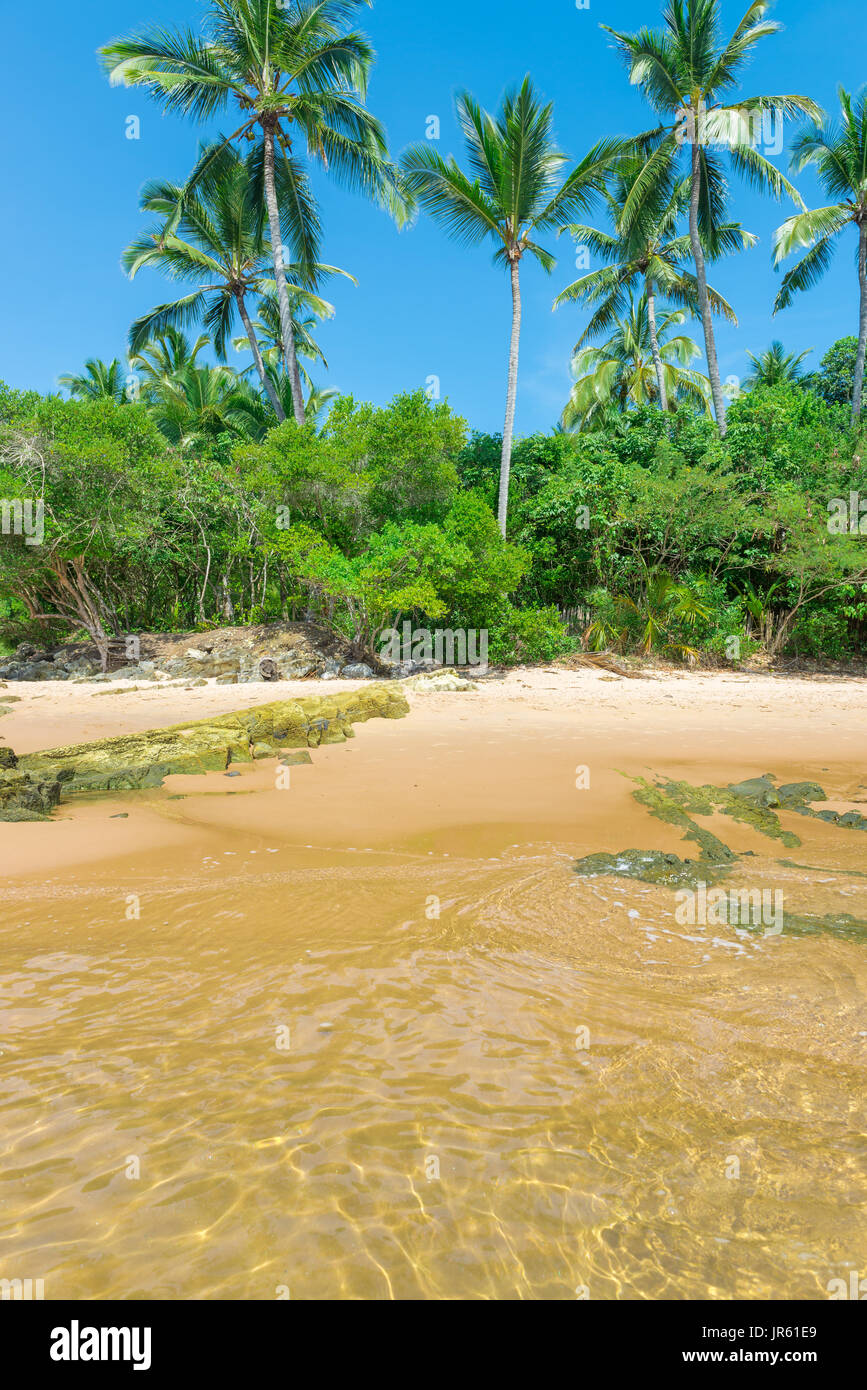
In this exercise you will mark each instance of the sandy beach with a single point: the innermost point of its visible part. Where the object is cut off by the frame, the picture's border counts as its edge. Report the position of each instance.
(508, 754)
(368, 1034)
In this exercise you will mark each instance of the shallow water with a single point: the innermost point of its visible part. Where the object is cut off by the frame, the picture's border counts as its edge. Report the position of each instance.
(362, 1072)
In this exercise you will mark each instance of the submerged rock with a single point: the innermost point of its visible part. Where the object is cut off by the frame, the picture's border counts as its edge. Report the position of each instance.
(133, 761)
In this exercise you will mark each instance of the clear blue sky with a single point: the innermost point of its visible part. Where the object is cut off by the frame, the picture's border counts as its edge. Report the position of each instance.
(423, 306)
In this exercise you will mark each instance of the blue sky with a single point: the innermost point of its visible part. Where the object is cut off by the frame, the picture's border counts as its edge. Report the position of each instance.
(423, 306)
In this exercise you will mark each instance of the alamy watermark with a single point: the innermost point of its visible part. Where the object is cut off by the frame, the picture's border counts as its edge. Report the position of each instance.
(730, 907)
(21, 516)
(848, 516)
(723, 128)
(21, 1290)
(444, 646)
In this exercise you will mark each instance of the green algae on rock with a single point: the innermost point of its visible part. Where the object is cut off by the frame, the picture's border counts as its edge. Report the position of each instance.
(24, 797)
(134, 761)
(652, 866)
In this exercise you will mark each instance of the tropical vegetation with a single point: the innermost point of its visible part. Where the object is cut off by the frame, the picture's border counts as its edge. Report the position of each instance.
(212, 475)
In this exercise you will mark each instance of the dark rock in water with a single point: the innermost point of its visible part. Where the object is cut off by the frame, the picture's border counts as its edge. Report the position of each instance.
(758, 791)
(231, 774)
(839, 924)
(652, 866)
(795, 795)
(121, 815)
(296, 759)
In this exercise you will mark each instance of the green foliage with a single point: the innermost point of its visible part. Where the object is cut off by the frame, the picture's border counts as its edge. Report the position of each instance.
(836, 375)
(660, 536)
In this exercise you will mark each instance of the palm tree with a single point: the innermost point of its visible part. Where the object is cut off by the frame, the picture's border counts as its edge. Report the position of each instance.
(293, 69)
(686, 71)
(197, 404)
(307, 308)
(647, 253)
(164, 357)
(99, 381)
(622, 372)
(839, 154)
(775, 366)
(512, 192)
(219, 236)
(252, 413)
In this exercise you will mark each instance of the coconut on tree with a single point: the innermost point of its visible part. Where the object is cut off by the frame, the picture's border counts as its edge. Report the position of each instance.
(512, 190)
(837, 151)
(688, 71)
(292, 72)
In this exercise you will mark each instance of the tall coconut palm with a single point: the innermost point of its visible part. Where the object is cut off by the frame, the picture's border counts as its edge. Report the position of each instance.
(645, 253)
(688, 71)
(838, 152)
(775, 366)
(99, 381)
(293, 70)
(621, 373)
(514, 190)
(219, 236)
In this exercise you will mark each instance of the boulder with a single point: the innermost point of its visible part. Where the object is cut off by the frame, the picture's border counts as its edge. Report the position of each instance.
(359, 671)
(26, 796)
(434, 681)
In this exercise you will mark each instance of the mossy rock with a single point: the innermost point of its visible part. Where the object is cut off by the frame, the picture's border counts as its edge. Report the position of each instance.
(134, 761)
(24, 797)
(652, 866)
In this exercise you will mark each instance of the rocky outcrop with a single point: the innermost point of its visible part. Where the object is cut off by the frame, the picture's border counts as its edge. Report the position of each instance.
(134, 761)
(24, 796)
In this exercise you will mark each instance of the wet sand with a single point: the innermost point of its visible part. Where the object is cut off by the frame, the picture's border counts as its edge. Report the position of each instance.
(406, 912)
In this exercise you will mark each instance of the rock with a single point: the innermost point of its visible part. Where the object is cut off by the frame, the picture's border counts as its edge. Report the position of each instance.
(758, 791)
(24, 796)
(440, 680)
(651, 866)
(357, 672)
(7, 759)
(131, 761)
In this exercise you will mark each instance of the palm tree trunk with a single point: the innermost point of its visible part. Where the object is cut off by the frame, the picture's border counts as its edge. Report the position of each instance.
(287, 331)
(654, 346)
(511, 396)
(858, 378)
(257, 358)
(703, 301)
